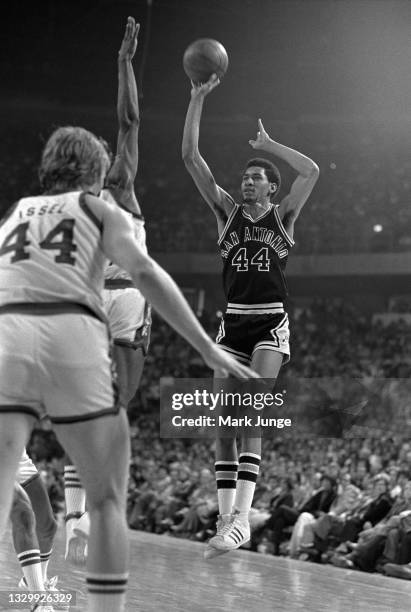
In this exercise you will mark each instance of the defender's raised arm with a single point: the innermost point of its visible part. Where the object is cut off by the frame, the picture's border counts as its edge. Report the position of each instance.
(124, 170)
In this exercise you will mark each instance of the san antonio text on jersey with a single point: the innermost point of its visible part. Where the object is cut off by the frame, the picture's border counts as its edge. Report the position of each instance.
(254, 253)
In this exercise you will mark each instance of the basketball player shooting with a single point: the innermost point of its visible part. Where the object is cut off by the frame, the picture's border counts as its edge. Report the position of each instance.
(255, 237)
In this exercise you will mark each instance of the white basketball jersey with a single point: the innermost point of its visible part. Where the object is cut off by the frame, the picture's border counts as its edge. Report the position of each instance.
(26, 469)
(113, 271)
(50, 251)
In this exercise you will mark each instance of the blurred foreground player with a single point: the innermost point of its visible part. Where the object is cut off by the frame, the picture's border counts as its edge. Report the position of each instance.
(128, 312)
(254, 239)
(55, 347)
(27, 547)
(33, 529)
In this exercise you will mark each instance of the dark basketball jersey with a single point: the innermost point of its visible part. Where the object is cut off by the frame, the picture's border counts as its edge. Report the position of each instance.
(254, 254)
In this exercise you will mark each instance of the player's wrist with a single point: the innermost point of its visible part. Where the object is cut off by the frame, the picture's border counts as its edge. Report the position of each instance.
(206, 347)
(197, 95)
(269, 144)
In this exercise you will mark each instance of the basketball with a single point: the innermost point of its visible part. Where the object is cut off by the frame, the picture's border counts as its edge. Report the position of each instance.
(203, 58)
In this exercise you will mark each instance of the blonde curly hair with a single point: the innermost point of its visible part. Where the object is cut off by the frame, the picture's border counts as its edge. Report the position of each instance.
(73, 158)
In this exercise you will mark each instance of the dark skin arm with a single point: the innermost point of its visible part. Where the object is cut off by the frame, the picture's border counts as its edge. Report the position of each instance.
(120, 179)
(218, 200)
(307, 176)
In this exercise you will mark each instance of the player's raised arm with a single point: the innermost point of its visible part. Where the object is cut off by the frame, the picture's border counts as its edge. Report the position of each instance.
(120, 246)
(301, 188)
(220, 202)
(122, 175)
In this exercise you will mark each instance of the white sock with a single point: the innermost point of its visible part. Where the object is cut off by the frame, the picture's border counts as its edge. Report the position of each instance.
(44, 560)
(30, 564)
(74, 494)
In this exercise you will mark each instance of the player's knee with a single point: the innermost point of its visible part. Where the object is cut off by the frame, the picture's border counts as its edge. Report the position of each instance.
(47, 527)
(106, 500)
(110, 490)
(22, 515)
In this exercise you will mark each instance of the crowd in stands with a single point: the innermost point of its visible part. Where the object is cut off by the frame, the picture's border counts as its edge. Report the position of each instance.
(361, 203)
(339, 500)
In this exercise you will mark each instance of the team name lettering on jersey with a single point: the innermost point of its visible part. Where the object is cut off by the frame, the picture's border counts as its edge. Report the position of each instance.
(229, 245)
(256, 234)
(268, 236)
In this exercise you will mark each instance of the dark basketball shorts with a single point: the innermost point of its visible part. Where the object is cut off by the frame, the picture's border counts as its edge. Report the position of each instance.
(242, 335)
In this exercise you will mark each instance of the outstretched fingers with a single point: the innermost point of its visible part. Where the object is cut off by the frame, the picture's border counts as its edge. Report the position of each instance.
(130, 27)
(205, 88)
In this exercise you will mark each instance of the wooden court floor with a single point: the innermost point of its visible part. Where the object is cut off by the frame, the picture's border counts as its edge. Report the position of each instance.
(170, 575)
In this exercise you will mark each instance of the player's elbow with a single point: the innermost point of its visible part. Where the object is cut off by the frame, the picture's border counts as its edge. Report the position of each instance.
(190, 160)
(130, 121)
(190, 155)
(187, 156)
(314, 171)
(143, 271)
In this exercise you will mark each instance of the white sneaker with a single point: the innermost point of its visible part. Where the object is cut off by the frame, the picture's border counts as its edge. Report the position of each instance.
(82, 526)
(23, 586)
(223, 522)
(234, 535)
(76, 543)
(49, 585)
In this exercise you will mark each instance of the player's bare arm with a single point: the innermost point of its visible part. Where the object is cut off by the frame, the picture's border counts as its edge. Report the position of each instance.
(307, 169)
(122, 175)
(219, 200)
(120, 246)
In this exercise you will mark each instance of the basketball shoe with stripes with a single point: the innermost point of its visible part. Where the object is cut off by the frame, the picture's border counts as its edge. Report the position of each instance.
(234, 534)
(223, 522)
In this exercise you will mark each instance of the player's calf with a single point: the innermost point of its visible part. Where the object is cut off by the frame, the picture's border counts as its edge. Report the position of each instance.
(46, 524)
(25, 539)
